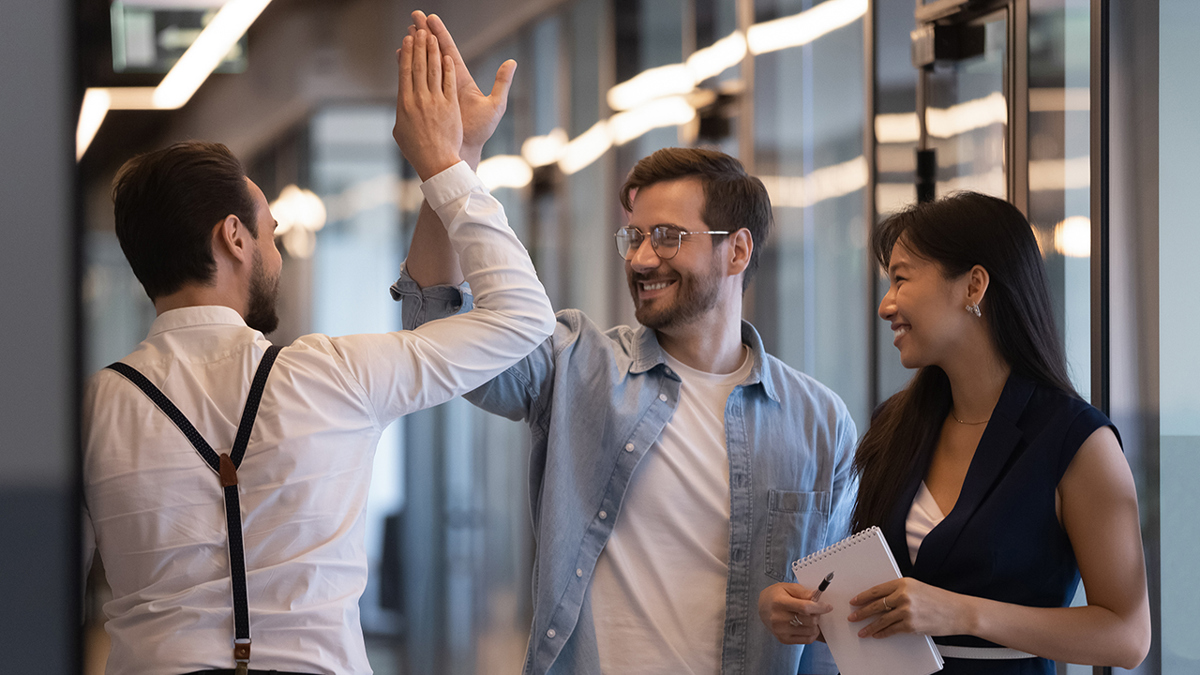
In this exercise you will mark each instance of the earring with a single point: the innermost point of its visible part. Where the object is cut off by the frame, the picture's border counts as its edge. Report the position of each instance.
(973, 308)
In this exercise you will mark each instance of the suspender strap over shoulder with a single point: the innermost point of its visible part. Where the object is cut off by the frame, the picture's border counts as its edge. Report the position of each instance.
(225, 466)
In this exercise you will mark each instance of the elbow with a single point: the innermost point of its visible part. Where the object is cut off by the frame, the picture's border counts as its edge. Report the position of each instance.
(1132, 650)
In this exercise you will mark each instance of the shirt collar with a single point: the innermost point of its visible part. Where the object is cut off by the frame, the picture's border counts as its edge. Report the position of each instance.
(648, 354)
(190, 317)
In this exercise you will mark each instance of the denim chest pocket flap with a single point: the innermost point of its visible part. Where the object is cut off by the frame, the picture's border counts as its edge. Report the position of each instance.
(796, 524)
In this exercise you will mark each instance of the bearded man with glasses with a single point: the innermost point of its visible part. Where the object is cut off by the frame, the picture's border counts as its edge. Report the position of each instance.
(677, 469)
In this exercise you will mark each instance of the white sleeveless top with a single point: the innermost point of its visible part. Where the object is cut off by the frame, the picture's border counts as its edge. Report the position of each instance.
(922, 517)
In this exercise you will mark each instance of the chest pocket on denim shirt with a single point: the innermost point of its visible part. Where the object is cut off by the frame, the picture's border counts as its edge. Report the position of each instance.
(796, 524)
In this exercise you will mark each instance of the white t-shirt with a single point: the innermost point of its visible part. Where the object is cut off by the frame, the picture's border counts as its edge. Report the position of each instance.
(658, 594)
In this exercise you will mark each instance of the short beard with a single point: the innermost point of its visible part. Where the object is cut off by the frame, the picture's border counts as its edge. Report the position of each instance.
(694, 296)
(264, 291)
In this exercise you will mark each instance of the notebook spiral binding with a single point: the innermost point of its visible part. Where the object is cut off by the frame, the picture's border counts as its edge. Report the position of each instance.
(834, 548)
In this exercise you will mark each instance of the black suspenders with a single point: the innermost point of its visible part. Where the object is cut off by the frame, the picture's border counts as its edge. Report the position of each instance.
(225, 466)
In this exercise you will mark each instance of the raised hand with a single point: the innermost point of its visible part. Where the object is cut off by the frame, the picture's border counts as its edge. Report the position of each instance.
(480, 113)
(428, 126)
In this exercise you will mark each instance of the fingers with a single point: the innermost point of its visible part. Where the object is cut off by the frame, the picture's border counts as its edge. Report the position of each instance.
(434, 57)
(449, 82)
(405, 90)
(420, 64)
(438, 29)
(874, 593)
(887, 624)
(419, 21)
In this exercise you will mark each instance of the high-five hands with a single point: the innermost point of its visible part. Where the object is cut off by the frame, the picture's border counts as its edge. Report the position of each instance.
(480, 113)
(429, 127)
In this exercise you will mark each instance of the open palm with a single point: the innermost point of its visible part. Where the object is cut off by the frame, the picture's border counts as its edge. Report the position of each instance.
(481, 112)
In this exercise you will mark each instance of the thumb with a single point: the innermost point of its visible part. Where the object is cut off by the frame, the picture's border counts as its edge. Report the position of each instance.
(504, 80)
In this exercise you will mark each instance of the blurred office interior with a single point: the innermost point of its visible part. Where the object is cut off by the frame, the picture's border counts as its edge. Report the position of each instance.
(1077, 111)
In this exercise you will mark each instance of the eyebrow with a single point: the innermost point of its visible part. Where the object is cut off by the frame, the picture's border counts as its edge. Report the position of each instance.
(894, 267)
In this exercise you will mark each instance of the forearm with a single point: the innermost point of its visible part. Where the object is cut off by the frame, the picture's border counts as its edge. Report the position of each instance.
(432, 260)
(1091, 635)
(510, 302)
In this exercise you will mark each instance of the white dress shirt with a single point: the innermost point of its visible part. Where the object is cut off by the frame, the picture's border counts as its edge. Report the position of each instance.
(155, 511)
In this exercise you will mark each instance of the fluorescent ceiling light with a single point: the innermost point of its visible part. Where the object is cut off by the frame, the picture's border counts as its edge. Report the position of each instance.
(91, 115)
(1056, 175)
(1054, 99)
(664, 112)
(803, 28)
(651, 84)
(897, 128)
(198, 62)
(185, 77)
(717, 57)
(510, 171)
(967, 116)
(1073, 237)
(586, 148)
(825, 183)
(543, 150)
(296, 208)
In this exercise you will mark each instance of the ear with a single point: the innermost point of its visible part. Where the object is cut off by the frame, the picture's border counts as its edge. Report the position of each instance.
(232, 239)
(977, 284)
(741, 245)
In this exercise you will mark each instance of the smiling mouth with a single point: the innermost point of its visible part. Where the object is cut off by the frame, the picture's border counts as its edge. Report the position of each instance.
(654, 285)
(899, 332)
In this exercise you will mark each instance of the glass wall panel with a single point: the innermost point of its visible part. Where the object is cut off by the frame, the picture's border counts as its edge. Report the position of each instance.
(811, 298)
(896, 135)
(967, 114)
(1060, 167)
(1179, 324)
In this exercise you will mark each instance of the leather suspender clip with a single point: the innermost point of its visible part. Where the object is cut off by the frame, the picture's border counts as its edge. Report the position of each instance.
(228, 473)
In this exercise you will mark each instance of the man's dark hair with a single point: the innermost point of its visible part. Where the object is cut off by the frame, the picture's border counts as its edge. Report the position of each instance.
(733, 199)
(166, 205)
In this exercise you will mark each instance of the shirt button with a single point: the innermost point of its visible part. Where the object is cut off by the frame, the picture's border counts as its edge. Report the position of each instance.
(603, 515)
(550, 633)
(662, 397)
(578, 572)
(629, 447)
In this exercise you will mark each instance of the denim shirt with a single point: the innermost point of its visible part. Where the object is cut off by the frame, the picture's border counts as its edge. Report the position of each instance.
(595, 402)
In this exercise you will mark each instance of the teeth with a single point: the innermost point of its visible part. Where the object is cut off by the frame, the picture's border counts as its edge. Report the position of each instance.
(899, 331)
(654, 287)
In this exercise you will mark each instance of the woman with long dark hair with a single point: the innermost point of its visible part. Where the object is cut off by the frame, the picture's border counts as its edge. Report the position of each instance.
(1031, 480)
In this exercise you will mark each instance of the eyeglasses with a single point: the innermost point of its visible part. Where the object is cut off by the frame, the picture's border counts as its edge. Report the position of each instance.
(665, 240)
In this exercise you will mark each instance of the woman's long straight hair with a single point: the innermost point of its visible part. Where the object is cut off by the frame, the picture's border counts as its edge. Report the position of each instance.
(958, 232)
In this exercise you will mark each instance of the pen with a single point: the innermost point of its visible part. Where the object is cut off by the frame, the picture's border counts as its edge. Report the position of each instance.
(821, 589)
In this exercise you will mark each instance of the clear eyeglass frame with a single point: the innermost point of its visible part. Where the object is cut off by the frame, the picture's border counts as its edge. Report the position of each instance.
(663, 239)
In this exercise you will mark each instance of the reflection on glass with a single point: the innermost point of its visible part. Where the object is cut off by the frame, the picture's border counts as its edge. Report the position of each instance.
(811, 298)
(967, 116)
(1060, 170)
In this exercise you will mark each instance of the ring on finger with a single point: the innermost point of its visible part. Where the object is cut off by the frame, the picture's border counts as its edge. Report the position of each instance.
(886, 606)
(795, 622)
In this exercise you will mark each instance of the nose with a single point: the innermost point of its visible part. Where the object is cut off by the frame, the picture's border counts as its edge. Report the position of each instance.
(643, 258)
(887, 306)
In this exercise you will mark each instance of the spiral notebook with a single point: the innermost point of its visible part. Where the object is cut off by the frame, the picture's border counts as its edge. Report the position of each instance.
(858, 563)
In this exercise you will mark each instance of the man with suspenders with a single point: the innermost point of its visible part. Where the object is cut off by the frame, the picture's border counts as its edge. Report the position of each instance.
(225, 478)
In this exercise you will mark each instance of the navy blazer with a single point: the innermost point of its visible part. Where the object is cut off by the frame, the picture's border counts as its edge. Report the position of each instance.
(1002, 540)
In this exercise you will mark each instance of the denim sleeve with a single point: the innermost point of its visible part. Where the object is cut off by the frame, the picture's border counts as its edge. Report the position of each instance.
(520, 393)
(422, 305)
(845, 482)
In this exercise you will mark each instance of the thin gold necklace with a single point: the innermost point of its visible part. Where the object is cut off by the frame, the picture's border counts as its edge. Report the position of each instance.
(970, 424)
